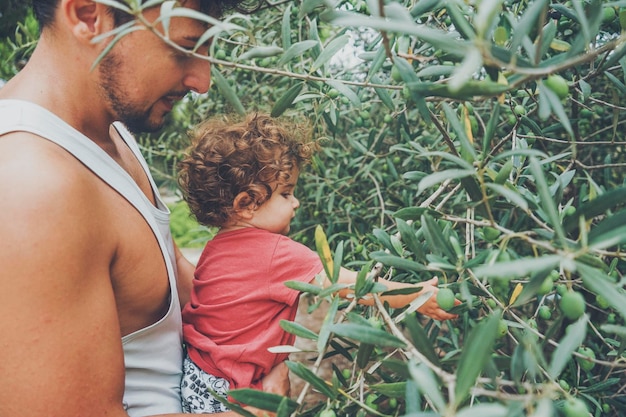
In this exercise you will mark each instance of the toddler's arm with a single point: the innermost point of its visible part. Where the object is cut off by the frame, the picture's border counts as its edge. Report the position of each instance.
(430, 308)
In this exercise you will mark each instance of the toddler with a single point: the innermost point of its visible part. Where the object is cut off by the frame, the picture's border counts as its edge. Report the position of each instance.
(241, 178)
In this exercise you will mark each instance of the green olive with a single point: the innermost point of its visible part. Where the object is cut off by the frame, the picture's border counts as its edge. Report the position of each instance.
(572, 305)
(445, 298)
(558, 85)
(587, 363)
(575, 407)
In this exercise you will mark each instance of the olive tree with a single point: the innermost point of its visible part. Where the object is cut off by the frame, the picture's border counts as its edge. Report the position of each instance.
(480, 143)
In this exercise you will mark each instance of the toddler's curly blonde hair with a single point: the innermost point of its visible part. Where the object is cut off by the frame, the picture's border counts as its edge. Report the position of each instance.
(251, 156)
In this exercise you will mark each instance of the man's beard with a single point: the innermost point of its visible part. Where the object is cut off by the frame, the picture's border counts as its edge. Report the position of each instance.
(136, 120)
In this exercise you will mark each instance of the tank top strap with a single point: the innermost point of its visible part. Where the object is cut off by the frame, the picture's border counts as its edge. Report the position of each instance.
(132, 144)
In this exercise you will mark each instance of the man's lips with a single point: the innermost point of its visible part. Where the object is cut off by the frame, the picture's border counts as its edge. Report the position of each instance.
(169, 101)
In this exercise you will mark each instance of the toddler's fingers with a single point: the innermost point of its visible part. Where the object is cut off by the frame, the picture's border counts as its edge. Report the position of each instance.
(448, 316)
(433, 281)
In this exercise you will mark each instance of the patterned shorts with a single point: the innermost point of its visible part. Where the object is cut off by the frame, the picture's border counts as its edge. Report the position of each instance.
(195, 397)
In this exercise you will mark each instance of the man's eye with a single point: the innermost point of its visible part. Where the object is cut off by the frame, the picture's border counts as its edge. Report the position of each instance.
(204, 49)
(181, 55)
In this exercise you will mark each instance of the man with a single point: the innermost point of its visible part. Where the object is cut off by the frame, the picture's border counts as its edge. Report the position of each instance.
(89, 306)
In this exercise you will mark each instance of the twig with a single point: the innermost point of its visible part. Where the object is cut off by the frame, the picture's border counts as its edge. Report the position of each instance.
(380, 198)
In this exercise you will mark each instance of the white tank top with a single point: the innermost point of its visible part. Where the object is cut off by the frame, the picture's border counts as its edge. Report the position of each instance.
(152, 355)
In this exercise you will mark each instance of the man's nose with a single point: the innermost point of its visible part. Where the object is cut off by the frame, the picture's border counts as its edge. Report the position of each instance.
(198, 76)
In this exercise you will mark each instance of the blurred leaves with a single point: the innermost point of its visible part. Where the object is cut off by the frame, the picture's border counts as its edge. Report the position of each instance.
(366, 334)
(475, 355)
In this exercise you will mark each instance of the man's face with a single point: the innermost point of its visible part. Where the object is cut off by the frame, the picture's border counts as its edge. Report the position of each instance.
(142, 77)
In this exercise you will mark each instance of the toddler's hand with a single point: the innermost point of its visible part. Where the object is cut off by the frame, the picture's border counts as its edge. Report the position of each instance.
(430, 308)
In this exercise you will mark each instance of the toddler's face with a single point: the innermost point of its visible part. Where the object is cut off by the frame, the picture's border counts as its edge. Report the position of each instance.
(275, 214)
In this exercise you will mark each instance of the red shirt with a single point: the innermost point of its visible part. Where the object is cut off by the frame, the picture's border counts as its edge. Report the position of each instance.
(238, 299)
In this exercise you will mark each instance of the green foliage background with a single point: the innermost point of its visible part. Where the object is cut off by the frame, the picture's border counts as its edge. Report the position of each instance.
(447, 152)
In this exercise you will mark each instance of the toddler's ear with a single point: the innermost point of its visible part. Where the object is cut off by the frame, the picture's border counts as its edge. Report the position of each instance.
(244, 205)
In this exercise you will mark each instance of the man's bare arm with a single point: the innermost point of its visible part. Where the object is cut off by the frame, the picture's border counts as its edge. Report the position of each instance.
(60, 351)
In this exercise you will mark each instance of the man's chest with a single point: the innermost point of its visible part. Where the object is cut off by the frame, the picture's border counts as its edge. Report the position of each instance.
(138, 270)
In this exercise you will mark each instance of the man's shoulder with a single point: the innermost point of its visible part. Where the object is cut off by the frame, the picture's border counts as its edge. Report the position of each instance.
(31, 162)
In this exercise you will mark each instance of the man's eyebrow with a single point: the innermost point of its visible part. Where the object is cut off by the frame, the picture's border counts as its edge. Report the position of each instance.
(189, 46)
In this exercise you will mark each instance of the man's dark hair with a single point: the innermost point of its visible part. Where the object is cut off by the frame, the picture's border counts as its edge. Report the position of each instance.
(12, 11)
(45, 9)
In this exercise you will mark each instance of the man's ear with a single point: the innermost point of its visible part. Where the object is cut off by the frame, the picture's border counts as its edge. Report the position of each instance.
(86, 17)
(244, 205)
